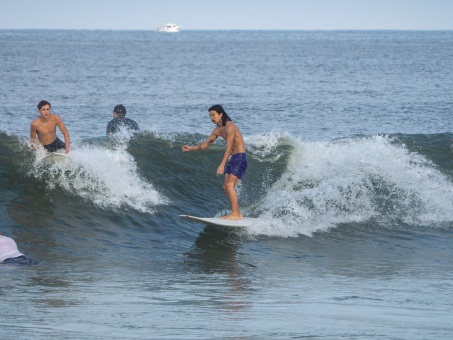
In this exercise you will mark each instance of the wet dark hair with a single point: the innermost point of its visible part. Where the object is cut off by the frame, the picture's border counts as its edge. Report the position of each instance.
(120, 110)
(43, 103)
(219, 109)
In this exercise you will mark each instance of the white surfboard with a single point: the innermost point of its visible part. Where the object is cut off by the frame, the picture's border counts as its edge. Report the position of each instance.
(54, 157)
(244, 222)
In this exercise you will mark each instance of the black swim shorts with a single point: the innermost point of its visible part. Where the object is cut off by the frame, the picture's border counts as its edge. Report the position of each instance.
(57, 144)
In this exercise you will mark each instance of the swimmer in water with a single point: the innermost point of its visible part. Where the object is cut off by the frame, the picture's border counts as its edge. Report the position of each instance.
(9, 254)
(120, 121)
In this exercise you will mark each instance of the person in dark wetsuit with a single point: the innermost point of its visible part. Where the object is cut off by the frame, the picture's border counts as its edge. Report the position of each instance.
(45, 127)
(119, 121)
(234, 162)
(9, 254)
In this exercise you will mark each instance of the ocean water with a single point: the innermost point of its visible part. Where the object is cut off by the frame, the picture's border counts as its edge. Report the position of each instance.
(350, 177)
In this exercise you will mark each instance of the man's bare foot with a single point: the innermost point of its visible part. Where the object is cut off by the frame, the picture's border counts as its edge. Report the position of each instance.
(232, 217)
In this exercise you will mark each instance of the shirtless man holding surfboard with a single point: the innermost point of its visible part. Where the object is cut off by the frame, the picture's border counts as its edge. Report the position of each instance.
(45, 126)
(234, 162)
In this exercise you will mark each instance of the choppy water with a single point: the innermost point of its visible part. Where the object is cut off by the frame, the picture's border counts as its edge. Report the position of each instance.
(350, 176)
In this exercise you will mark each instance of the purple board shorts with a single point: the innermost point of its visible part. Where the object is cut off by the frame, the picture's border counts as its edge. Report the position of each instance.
(237, 165)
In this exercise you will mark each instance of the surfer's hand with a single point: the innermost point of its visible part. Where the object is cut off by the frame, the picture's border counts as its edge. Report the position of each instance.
(185, 148)
(220, 170)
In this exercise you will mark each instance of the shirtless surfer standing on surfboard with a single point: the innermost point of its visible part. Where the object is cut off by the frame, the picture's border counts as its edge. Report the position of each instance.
(45, 126)
(234, 162)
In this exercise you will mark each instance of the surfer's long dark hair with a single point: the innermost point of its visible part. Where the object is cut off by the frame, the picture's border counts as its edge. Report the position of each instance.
(219, 109)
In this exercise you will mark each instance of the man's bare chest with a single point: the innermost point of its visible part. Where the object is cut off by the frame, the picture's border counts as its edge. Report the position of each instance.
(221, 132)
(46, 127)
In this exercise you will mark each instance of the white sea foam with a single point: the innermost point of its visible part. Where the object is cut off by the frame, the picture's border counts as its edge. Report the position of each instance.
(107, 178)
(264, 146)
(354, 180)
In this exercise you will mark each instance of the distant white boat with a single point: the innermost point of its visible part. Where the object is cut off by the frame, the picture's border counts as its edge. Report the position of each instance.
(171, 28)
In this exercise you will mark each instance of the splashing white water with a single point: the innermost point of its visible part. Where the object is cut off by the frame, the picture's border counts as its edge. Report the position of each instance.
(354, 180)
(264, 146)
(107, 178)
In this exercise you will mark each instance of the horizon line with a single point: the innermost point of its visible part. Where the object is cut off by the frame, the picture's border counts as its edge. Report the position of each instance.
(230, 29)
